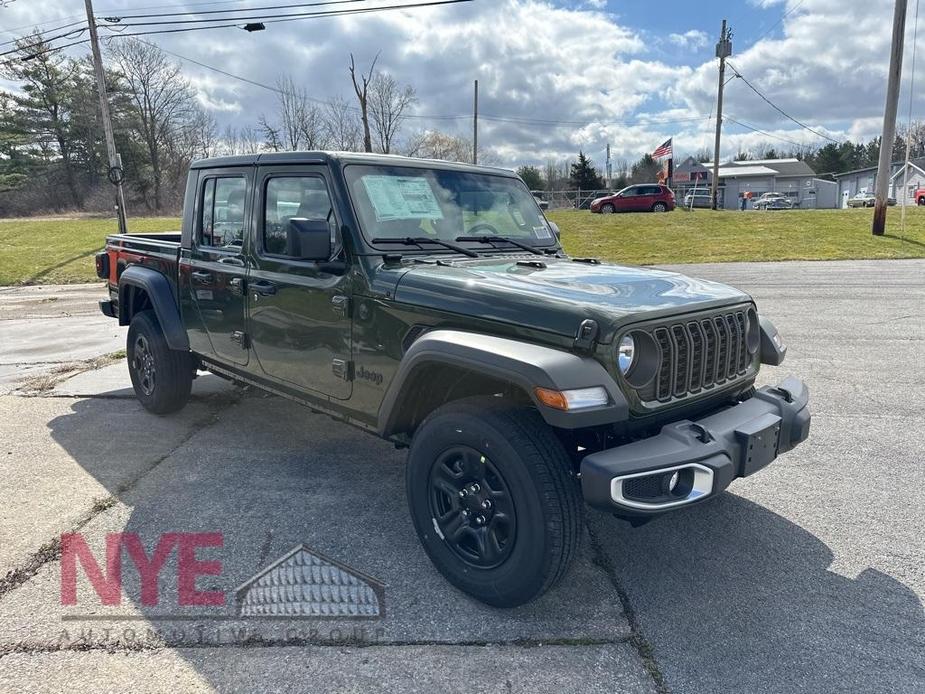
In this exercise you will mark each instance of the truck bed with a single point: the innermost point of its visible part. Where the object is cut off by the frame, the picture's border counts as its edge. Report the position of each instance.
(160, 251)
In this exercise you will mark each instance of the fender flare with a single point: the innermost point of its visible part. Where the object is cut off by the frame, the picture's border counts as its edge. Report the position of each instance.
(162, 299)
(773, 350)
(524, 364)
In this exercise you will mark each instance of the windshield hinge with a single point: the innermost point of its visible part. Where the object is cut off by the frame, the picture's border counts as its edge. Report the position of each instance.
(586, 337)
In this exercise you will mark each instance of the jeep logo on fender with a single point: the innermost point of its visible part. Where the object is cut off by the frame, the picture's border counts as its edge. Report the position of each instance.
(372, 376)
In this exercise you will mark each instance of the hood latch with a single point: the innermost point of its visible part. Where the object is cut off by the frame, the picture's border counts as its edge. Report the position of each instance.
(586, 337)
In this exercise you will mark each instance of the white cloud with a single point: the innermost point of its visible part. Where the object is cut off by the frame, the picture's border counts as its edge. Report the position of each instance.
(693, 38)
(539, 60)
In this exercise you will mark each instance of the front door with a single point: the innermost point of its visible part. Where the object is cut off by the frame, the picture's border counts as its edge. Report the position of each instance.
(298, 311)
(216, 262)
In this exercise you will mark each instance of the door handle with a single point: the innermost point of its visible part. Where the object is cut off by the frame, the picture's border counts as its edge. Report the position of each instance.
(232, 260)
(263, 288)
(201, 276)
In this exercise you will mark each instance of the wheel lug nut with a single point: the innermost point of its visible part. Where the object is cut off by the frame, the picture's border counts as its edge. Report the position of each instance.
(480, 520)
(486, 504)
(466, 513)
(463, 492)
(475, 487)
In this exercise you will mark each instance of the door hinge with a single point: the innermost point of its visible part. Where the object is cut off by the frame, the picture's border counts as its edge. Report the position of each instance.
(242, 338)
(342, 369)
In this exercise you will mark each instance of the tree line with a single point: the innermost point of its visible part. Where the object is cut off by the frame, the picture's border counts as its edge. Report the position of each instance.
(53, 156)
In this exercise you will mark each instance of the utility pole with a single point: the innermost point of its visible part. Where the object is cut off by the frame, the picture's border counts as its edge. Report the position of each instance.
(609, 168)
(723, 51)
(889, 119)
(475, 124)
(115, 167)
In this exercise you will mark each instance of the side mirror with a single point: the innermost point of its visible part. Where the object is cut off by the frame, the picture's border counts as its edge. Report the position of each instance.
(555, 230)
(308, 239)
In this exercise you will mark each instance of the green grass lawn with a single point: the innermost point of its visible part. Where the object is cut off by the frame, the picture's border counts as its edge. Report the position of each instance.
(703, 236)
(61, 250)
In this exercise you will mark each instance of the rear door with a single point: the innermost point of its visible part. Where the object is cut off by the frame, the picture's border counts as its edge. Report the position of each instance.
(298, 311)
(216, 264)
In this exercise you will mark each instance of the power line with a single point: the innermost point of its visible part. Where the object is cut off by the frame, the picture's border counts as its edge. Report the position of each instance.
(766, 134)
(31, 56)
(42, 40)
(306, 15)
(116, 17)
(779, 109)
(332, 13)
(779, 21)
(41, 33)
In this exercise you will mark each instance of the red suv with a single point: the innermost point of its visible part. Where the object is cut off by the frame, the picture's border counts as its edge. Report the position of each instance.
(644, 197)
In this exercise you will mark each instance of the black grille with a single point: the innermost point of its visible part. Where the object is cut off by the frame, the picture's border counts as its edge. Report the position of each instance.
(698, 355)
(645, 488)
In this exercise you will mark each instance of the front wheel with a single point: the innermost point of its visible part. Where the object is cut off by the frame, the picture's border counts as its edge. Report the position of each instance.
(659, 207)
(162, 377)
(921, 201)
(493, 501)
(607, 208)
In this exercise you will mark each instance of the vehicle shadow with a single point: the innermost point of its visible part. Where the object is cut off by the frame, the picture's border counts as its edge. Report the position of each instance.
(734, 597)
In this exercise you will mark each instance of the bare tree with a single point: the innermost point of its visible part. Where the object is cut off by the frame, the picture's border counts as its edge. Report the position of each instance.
(163, 102)
(301, 122)
(342, 125)
(362, 91)
(388, 104)
(433, 144)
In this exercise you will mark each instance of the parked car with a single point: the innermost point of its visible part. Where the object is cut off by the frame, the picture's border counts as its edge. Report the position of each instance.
(431, 304)
(773, 201)
(543, 204)
(867, 200)
(644, 197)
(700, 198)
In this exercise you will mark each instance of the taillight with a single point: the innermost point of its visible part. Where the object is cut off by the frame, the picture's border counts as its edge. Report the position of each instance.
(102, 265)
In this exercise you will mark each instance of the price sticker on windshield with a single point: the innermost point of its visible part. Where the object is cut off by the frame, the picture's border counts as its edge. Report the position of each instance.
(402, 197)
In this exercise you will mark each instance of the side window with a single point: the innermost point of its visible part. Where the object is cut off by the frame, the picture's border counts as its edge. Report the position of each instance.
(294, 197)
(222, 213)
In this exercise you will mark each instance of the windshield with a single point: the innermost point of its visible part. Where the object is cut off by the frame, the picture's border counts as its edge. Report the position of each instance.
(398, 202)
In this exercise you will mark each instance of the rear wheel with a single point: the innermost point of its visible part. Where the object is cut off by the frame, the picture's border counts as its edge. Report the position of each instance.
(921, 200)
(659, 207)
(607, 208)
(162, 377)
(493, 501)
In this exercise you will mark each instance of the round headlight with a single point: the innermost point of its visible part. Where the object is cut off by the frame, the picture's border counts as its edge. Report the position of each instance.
(626, 353)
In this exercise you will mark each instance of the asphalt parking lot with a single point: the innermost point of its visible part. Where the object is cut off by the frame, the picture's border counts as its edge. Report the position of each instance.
(807, 577)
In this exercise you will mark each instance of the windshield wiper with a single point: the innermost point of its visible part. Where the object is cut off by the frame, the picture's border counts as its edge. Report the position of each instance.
(500, 239)
(418, 240)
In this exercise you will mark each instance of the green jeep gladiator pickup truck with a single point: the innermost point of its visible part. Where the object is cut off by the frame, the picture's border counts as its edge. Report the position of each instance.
(431, 304)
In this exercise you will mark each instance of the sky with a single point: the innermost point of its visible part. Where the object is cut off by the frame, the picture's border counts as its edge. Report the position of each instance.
(559, 76)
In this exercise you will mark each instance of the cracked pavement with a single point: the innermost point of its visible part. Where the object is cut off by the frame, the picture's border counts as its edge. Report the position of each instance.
(805, 577)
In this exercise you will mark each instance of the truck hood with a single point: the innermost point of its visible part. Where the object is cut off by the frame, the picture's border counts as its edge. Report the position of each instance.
(556, 294)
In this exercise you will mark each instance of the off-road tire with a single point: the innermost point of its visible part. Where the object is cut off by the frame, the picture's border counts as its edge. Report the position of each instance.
(162, 377)
(514, 441)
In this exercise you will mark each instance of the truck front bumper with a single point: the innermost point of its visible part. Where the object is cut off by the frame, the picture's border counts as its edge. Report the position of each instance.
(689, 461)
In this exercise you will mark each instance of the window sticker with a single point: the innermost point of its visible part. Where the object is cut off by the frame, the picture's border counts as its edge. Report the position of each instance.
(402, 197)
(542, 232)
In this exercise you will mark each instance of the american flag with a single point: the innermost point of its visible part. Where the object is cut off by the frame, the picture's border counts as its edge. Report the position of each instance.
(663, 150)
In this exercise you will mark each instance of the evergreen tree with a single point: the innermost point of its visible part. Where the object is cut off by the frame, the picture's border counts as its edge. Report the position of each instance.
(531, 177)
(584, 176)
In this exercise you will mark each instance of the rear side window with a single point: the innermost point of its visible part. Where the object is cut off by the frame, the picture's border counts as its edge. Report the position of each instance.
(222, 212)
(294, 197)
